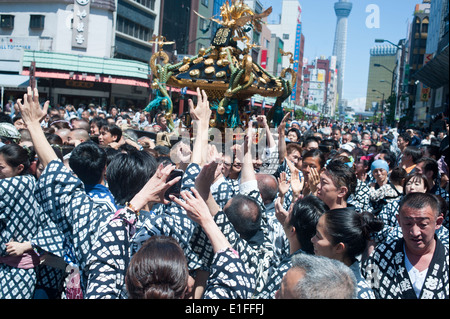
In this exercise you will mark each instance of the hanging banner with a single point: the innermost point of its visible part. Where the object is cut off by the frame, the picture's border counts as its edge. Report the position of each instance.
(298, 34)
(80, 27)
(263, 59)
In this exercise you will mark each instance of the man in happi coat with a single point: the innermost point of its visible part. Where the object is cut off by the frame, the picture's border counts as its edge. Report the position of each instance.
(415, 266)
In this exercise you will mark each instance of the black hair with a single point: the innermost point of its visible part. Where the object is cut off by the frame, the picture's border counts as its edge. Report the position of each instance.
(354, 229)
(99, 122)
(389, 157)
(398, 175)
(114, 130)
(431, 165)
(315, 153)
(5, 118)
(15, 155)
(309, 139)
(296, 131)
(162, 150)
(432, 149)
(128, 173)
(54, 139)
(342, 175)
(419, 201)
(406, 137)
(87, 161)
(414, 152)
(244, 212)
(305, 215)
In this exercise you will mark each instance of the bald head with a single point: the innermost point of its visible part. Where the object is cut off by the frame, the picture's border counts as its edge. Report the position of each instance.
(78, 136)
(268, 187)
(81, 124)
(63, 133)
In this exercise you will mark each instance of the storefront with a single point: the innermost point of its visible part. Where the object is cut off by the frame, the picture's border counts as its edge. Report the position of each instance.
(75, 79)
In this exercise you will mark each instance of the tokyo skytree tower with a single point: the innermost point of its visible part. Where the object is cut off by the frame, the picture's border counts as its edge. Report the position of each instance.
(342, 10)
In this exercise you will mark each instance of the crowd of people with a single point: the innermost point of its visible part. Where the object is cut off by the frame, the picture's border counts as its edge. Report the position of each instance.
(113, 204)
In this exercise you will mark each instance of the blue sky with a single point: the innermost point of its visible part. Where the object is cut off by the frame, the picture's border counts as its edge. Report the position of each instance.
(318, 26)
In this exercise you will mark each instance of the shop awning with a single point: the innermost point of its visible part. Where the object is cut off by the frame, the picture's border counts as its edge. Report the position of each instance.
(14, 80)
(266, 106)
(435, 73)
(89, 78)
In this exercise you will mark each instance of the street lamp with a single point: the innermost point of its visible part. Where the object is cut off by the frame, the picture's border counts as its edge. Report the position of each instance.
(382, 106)
(387, 82)
(391, 71)
(384, 40)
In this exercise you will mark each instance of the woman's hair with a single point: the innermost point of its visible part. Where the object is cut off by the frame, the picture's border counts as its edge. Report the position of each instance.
(305, 215)
(128, 173)
(398, 175)
(347, 226)
(158, 270)
(415, 176)
(14, 155)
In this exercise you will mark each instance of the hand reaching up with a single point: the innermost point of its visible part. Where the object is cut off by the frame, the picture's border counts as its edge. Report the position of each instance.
(154, 190)
(198, 211)
(205, 179)
(283, 185)
(30, 108)
(195, 206)
(201, 112)
(280, 213)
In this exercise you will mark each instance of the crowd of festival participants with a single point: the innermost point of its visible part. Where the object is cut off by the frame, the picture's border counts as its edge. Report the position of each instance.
(108, 203)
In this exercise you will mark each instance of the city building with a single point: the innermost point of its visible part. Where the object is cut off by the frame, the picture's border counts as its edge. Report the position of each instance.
(204, 26)
(320, 86)
(417, 96)
(275, 59)
(70, 28)
(289, 29)
(262, 39)
(381, 79)
(435, 69)
(136, 21)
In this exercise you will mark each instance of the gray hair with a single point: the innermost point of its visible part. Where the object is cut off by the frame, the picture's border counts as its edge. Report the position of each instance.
(324, 278)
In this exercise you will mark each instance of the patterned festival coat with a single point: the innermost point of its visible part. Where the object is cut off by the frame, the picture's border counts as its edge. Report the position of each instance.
(385, 270)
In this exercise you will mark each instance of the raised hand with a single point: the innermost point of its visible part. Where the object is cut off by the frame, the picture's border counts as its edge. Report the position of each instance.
(283, 185)
(206, 178)
(154, 190)
(202, 112)
(30, 108)
(313, 180)
(195, 206)
(280, 213)
(199, 212)
(282, 126)
(296, 183)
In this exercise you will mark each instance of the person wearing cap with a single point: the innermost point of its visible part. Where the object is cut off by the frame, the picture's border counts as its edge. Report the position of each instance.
(8, 134)
(295, 124)
(382, 191)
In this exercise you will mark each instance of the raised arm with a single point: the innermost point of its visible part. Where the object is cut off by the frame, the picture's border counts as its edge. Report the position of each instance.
(32, 115)
(201, 116)
(262, 122)
(281, 138)
(248, 172)
(198, 211)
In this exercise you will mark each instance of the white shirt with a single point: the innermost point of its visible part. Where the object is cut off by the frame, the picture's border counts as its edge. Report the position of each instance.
(417, 277)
